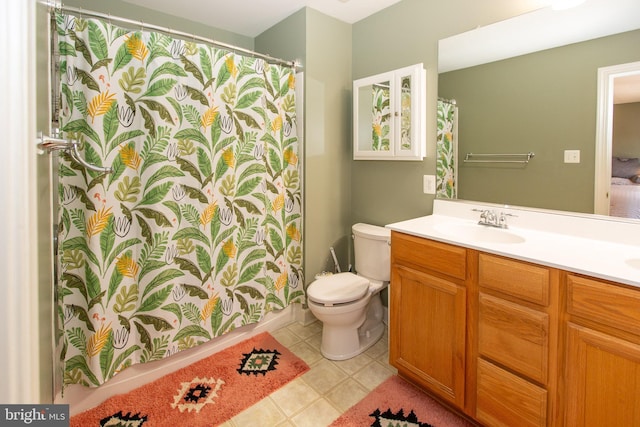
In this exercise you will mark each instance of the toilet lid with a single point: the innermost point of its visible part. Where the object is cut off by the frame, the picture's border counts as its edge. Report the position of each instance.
(338, 288)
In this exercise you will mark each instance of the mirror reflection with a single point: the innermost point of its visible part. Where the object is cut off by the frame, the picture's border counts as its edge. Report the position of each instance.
(544, 102)
(375, 114)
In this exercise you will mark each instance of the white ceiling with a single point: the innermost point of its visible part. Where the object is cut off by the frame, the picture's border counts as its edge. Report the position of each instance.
(252, 17)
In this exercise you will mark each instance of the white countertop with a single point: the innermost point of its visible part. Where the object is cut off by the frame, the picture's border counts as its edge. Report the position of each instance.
(585, 244)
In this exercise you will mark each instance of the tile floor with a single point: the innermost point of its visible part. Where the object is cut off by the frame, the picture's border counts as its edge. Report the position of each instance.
(322, 394)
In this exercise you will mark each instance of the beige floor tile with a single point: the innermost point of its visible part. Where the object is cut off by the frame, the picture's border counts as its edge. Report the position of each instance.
(353, 365)
(323, 376)
(286, 337)
(373, 376)
(307, 331)
(327, 390)
(347, 394)
(315, 341)
(306, 352)
(263, 413)
(319, 414)
(378, 349)
(384, 360)
(294, 396)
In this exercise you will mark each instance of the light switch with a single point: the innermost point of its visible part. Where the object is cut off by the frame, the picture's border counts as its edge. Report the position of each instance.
(429, 184)
(572, 156)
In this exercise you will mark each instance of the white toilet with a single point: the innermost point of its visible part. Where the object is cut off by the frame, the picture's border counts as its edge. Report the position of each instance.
(348, 304)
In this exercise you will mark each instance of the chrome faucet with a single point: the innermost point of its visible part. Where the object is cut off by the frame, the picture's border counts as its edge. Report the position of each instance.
(492, 218)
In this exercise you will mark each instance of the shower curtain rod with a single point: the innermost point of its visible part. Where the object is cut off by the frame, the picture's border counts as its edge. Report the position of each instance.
(83, 12)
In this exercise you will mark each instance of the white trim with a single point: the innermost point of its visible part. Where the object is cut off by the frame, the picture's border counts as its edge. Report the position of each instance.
(18, 220)
(604, 132)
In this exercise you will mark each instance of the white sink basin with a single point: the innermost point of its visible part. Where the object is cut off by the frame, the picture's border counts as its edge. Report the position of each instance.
(635, 263)
(479, 233)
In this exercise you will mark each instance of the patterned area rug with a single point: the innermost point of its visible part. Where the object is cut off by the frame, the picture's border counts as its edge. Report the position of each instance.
(205, 393)
(395, 402)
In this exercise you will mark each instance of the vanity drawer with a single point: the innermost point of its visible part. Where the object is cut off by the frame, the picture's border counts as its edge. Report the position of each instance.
(604, 302)
(517, 337)
(519, 279)
(438, 257)
(504, 399)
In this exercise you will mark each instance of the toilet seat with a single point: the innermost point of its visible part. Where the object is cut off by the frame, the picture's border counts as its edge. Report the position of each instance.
(338, 289)
(376, 285)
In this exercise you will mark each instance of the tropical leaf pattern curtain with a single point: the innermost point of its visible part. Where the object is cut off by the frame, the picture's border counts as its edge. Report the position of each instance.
(381, 118)
(447, 150)
(405, 113)
(198, 229)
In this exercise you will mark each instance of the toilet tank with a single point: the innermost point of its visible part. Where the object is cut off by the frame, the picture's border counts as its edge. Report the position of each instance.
(372, 250)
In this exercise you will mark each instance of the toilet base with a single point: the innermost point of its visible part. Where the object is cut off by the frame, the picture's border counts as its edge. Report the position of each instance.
(342, 344)
(365, 339)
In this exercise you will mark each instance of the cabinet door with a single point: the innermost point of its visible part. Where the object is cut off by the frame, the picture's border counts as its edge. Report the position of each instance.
(410, 134)
(514, 336)
(373, 117)
(389, 115)
(428, 332)
(603, 379)
(507, 400)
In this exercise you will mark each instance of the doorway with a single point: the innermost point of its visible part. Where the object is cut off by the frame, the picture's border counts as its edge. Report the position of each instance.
(614, 83)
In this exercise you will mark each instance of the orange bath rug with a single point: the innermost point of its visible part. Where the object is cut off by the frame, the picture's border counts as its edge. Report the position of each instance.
(206, 393)
(396, 402)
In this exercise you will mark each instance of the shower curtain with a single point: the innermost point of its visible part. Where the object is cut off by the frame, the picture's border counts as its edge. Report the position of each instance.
(447, 150)
(197, 230)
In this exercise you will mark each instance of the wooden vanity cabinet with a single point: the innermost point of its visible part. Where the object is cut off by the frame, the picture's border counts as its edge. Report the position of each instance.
(511, 343)
(428, 315)
(516, 332)
(602, 369)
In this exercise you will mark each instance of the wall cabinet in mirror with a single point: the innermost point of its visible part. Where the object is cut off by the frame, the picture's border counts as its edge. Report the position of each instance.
(389, 115)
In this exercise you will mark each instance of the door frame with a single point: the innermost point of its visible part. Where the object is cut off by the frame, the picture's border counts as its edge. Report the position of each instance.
(604, 131)
(19, 293)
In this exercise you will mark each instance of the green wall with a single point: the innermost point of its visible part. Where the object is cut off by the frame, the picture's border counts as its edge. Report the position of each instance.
(544, 102)
(328, 142)
(626, 130)
(319, 43)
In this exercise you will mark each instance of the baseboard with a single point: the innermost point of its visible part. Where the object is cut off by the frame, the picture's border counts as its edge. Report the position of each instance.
(304, 316)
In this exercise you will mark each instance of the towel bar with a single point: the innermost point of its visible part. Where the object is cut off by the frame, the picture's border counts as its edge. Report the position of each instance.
(499, 158)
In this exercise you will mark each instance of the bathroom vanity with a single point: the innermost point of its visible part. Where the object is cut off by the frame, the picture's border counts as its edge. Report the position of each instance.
(534, 325)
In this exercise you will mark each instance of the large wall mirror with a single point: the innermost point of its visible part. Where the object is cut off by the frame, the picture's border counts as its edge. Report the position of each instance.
(518, 97)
